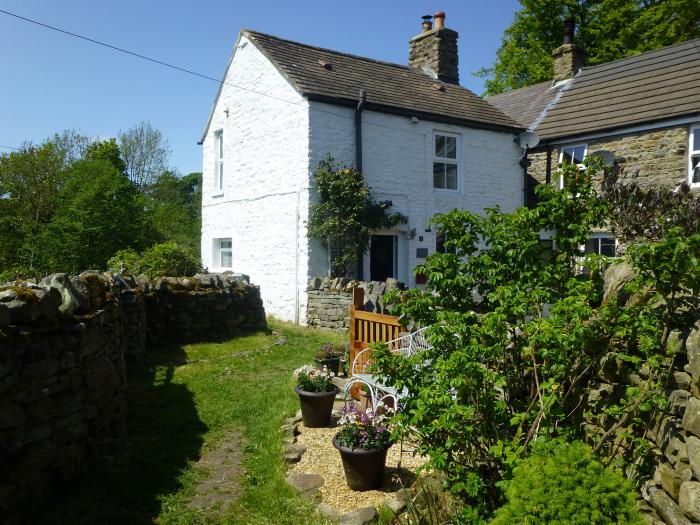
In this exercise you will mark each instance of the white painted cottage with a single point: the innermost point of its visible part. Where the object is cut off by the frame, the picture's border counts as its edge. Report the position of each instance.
(422, 141)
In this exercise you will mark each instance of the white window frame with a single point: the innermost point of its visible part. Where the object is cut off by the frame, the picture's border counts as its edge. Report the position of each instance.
(219, 160)
(602, 235)
(691, 152)
(220, 251)
(445, 160)
(560, 178)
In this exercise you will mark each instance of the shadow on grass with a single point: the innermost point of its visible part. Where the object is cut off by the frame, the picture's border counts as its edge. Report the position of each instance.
(164, 434)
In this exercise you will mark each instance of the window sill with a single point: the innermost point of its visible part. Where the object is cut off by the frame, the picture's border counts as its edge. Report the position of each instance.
(217, 195)
(445, 190)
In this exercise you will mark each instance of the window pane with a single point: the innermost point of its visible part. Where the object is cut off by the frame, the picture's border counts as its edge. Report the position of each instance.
(607, 247)
(221, 175)
(451, 147)
(451, 176)
(592, 246)
(438, 175)
(226, 259)
(439, 145)
(226, 244)
(696, 139)
(695, 163)
(566, 155)
(579, 153)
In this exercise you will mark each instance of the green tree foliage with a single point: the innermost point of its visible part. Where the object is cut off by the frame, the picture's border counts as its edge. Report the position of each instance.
(106, 150)
(606, 30)
(563, 484)
(520, 331)
(98, 212)
(346, 215)
(175, 205)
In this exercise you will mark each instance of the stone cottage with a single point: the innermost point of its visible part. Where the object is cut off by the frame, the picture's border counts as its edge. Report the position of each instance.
(422, 141)
(644, 109)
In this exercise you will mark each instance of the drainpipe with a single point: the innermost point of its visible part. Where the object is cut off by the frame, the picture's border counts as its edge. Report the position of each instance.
(358, 129)
(548, 171)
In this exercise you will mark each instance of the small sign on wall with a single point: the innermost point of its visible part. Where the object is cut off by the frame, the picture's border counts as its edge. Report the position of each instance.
(421, 253)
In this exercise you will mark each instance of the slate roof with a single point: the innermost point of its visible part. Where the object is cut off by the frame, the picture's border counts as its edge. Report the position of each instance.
(525, 105)
(652, 86)
(330, 76)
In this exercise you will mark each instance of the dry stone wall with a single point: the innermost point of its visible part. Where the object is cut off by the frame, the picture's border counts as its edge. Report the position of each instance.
(65, 344)
(330, 299)
(672, 492)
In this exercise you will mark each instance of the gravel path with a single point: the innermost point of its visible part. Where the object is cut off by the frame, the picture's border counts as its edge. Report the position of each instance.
(321, 457)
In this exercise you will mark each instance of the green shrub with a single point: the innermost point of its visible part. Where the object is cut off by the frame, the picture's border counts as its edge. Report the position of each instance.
(167, 258)
(127, 260)
(563, 484)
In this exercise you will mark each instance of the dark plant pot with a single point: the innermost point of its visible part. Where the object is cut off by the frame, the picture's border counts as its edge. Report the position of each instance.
(316, 407)
(364, 469)
(332, 364)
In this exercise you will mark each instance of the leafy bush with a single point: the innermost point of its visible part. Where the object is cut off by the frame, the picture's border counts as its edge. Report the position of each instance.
(159, 260)
(563, 484)
(520, 334)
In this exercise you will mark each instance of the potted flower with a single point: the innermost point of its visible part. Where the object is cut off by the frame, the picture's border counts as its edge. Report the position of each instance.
(329, 355)
(316, 395)
(363, 441)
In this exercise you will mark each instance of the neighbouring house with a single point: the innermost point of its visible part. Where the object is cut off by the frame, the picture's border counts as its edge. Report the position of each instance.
(422, 142)
(644, 109)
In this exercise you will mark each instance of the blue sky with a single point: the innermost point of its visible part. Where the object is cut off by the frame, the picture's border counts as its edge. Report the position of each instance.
(51, 82)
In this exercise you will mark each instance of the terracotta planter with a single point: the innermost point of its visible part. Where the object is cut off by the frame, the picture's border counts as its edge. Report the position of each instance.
(364, 469)
(332, 364)
(316, 407)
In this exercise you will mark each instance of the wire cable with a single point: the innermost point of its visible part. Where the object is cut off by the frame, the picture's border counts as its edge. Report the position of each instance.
(190, 72)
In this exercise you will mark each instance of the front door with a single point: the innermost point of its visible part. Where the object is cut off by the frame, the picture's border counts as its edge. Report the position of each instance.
(382, 257)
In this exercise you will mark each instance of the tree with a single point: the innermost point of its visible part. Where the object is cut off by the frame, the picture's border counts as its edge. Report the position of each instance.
(30, 181)
(606, 30)
(106, 150)
(175, 208)
(145, 152)
(346, 215)
(98, 213)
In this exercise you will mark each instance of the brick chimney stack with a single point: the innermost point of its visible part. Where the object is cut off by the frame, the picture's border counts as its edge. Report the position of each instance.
(568, 58)
(435, 49)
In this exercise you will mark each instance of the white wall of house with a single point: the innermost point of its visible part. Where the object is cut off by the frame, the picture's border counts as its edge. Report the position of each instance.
(265, 183)
(398, 163)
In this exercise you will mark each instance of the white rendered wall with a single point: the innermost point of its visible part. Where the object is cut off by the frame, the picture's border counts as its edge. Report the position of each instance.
(397, 165)
(266, 182)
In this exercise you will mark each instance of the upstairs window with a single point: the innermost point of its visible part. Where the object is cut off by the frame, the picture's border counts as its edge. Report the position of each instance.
(694, 157)
(601, 244)
(445, 162)
(223, 253)
(573, 154)
(219, 155)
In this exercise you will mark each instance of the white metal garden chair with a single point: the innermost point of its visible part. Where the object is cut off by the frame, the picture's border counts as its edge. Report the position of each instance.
(407, 346)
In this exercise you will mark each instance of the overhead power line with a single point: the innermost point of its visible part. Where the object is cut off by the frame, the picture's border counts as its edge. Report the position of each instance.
(10, 147)
(188, 71)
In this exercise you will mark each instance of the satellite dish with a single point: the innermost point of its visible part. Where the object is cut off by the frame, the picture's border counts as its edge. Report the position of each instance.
(607, 156)
(528, 139)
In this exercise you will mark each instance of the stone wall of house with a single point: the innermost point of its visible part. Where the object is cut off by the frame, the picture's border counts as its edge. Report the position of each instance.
(65, 344)
(672, 493)
(657, 157)
(330, 299)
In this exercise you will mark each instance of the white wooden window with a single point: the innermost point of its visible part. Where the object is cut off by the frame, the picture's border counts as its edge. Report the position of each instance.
(223, 253)
(572, 154)
(219, 155)
(446, 161)
(601, 244)
(694, 157)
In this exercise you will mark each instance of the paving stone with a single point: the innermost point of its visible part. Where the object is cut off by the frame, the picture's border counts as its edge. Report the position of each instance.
(302, 482)
(328, 512)
(362, 516)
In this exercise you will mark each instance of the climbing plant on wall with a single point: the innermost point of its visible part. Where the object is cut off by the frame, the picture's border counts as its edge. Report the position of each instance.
(346, 214)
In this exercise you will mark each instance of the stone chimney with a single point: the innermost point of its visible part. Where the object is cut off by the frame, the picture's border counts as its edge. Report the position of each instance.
(435, 50)
(568, 58)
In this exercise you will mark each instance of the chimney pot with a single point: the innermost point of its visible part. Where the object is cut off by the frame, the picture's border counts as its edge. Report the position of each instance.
(427, 23)
(439, 18)
(569, 29)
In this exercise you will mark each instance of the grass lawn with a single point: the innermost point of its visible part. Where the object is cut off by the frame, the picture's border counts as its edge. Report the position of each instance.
(183, 402)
